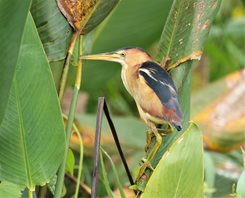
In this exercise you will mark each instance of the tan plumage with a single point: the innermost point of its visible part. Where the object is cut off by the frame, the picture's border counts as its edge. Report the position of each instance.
(151, 87)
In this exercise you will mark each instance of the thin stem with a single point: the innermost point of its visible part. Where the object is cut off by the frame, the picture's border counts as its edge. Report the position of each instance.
(105, 177)
(61, 171)
(86, 188)
(43, 192)
(80, 160)
(67, 63)
(120, 188)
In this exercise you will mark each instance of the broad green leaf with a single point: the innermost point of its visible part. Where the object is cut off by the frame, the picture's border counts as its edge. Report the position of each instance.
(70, 162)
(32, 136)
(54, 31)
(12, 21)
(102, 10)
(9, 190)
(187, 28)
(240, 190)
(209, 167)
(180, 171)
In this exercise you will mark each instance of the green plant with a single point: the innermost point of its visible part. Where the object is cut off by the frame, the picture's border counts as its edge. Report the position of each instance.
(37, 39)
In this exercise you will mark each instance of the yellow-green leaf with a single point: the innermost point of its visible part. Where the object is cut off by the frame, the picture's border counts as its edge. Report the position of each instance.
(70, 162)
(180, 171)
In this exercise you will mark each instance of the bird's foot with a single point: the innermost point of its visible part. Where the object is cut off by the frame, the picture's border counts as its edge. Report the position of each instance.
(149, 136)
(145, 165)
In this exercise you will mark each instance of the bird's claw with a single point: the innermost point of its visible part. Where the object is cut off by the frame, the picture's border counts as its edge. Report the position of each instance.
(146, 164)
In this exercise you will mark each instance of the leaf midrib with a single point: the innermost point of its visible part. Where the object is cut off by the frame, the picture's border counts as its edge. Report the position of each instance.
(22, 135)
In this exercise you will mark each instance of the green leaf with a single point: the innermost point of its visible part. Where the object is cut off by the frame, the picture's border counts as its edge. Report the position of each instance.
(54, 31)
(32, 136)
(187, 28)
(105, 177)
(9, 190)
(12, 21)
(240, 190)
(133, 23)
(180, 171)
(70, 162)
(102, 10)
(114, 170)
(209, 174)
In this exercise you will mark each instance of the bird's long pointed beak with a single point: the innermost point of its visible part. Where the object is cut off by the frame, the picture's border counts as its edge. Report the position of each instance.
(108, 56)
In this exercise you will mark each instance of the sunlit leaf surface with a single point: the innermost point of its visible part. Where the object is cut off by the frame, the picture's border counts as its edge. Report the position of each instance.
(180, 170)
(9, 190)
(32, 133)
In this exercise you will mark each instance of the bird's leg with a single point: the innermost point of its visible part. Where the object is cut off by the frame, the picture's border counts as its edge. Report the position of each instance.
(157, 144)
(149, 136)
(147, 161)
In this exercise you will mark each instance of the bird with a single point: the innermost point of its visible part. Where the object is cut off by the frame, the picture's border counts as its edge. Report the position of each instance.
(152, 88)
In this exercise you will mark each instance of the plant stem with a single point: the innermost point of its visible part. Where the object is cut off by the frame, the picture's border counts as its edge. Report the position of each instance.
(80, 161)
(67, 63)
(30, 194)
(97, 147)
(85, 188)
(61, 172)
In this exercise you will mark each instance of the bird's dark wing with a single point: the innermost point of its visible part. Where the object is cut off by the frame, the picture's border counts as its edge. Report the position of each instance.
(162, 84)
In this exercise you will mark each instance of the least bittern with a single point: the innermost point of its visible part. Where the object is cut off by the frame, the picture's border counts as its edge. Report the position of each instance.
(152, 88)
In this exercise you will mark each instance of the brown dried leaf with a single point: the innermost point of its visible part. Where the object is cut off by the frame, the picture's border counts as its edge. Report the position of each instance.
(77, 12)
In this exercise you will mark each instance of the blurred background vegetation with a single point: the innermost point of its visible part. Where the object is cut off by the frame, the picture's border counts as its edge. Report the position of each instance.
(217, 99)
(216, 79)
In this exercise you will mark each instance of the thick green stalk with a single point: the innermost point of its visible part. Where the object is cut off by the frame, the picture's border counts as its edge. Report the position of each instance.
(61, 172)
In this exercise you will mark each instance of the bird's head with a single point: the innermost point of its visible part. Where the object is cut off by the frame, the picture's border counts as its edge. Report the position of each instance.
(125, 56)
